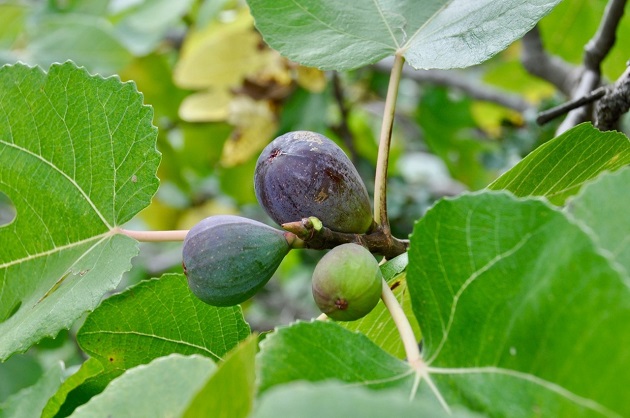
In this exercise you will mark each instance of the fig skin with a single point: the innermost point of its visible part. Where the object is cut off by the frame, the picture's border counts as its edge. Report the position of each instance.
(302, 174)
(347, 282)
(227, 259)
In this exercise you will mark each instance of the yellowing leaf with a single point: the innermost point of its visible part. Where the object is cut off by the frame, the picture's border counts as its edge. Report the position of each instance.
(276, 69)
(208, 106)
(255, 124)
(490, 117)
(312, 79)
(220, 55)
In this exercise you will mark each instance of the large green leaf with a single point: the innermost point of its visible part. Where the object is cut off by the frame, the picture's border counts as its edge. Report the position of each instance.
(321, 350)
(77, 159)
(342, 35)
(161, 316)
(179, 386)
(521, 313)
(561, 166)
(162, 388)
(601, 206)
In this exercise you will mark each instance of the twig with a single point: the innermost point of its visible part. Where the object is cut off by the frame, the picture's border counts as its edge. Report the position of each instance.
(318, 237)
(615, 103)
(588, 82)
(457, 79)
(550, 114)
(548, 67)
(380, 183)
(594, 53)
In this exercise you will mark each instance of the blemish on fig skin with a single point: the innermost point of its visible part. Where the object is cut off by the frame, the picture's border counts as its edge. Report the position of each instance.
(336, 178)
(274, 153)
(341, 304)
(321, 196)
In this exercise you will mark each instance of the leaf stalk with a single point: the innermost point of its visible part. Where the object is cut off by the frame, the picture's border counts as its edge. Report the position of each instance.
(380, 182)
(414, 357)
(152, 236)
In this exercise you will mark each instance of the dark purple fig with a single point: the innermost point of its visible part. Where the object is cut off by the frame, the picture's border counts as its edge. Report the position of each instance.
(227, 259)
(347, 282)
(302, 174)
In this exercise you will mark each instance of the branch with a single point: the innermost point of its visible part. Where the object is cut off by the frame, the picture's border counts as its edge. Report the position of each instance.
(600, 45)
(458, 80)
(594, 52)
(615, 103)
(588, 82)
(550, 114)
(548, 67)
(318, 237)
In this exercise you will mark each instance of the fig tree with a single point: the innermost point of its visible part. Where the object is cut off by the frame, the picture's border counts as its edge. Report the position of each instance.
(302, 174)
(227, 259)
(347, 282)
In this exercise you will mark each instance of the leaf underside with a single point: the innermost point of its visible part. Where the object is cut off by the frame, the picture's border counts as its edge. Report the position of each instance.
(336, 35)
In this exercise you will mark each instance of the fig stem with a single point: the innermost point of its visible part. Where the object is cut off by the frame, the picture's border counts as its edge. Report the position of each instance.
(322, 317)
(414, 357)
(152, 236)
(380, 182)
(318, 237)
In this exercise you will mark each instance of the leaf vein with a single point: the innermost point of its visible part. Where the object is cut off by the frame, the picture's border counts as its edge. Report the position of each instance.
(551, 386)
(70, 179)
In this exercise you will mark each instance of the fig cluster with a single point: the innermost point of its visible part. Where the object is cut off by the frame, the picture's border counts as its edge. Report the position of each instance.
(227, 259)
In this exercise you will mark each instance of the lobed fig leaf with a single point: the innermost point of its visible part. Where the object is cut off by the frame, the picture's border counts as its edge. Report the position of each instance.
(227, 259)
(302, 174)
(347, 282)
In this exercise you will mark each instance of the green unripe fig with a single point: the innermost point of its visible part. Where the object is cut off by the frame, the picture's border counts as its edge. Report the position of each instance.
(347, 282)
(227, 259)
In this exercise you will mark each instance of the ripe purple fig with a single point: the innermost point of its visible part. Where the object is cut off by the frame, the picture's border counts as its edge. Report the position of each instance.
(347, 282)
(227, 259)
(302, 174)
